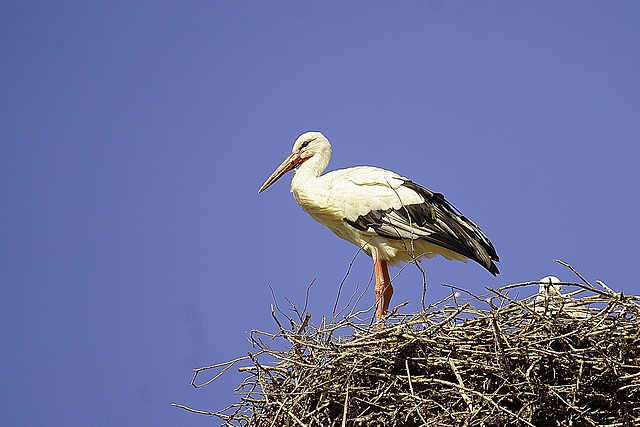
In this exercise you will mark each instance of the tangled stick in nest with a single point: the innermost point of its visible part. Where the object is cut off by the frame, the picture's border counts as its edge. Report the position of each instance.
(548, 359)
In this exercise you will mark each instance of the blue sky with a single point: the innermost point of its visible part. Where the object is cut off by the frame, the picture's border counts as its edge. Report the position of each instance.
(134, 137)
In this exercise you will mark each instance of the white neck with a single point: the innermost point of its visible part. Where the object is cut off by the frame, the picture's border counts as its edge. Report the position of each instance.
(310, 169)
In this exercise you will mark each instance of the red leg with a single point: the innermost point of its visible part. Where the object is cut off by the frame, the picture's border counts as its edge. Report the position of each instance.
(383, 288)
(388, 289)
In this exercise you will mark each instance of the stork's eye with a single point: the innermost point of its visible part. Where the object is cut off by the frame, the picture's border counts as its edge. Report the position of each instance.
(304, 144)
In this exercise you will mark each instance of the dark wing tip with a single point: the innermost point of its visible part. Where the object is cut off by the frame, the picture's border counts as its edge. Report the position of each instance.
(493, 269)
(481, 250)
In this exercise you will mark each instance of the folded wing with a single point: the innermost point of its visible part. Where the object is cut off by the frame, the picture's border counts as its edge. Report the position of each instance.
(434, 220)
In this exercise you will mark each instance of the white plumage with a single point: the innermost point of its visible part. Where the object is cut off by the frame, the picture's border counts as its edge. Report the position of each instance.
(391, 218)
(552, 302)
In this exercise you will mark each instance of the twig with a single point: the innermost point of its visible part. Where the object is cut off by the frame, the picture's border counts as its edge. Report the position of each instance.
(197, 411)
(462, 387)
(344, 279)
(346, 406)
(574, 271)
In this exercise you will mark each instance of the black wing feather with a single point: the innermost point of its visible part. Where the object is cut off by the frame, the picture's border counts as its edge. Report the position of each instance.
(436, 221)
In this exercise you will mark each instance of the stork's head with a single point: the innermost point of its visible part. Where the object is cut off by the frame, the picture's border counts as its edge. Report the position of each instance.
(308, 145)
(550, 285)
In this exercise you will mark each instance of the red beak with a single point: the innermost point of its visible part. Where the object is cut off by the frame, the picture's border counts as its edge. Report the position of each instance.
(289, 163)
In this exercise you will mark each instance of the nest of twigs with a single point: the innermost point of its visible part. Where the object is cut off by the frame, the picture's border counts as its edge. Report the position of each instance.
(558, 357)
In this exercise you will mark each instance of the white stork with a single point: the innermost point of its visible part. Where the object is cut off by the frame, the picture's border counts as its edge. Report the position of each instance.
(390, 217)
